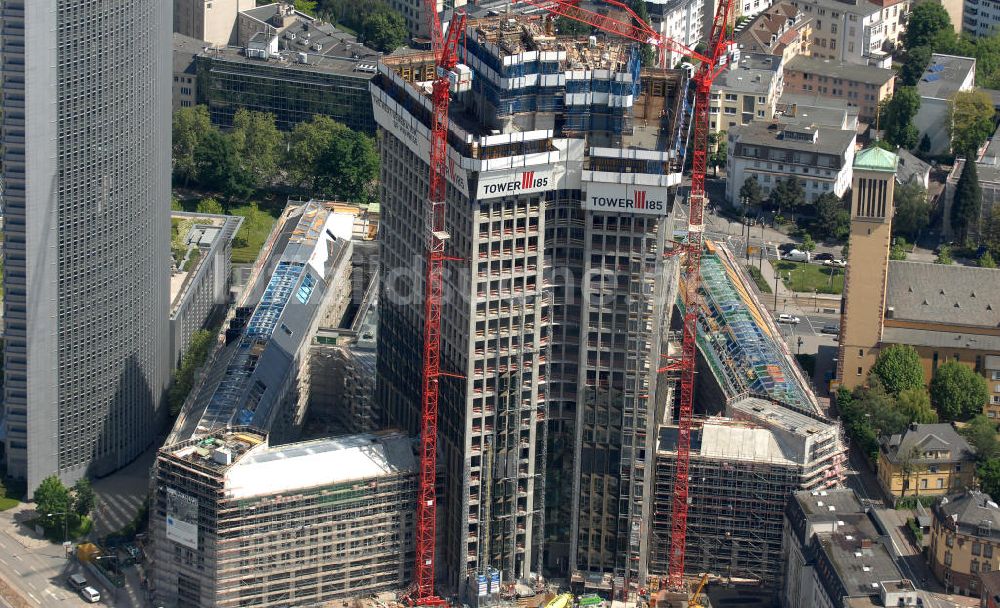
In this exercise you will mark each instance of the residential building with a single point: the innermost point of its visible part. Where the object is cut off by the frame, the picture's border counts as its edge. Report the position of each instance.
(209, 20)
(836, 557)
(235, 521)
(956, 12)
(965, 541)
(773, 151)
(746, 91)
(201, 275)
(86, 199)
(327, 76)
(185, 49)
(977, 17)
(990, 582)
(911, 169)
(925, 460)
(680, 20)
(417, 18)
(822, 111)
(744, 469)
(945, 76)
(857, 31)
(861, 86)
(781, 29)
(257, 376)
(945, 312)
(560, 185)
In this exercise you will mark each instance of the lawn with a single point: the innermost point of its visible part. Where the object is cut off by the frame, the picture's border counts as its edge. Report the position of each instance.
(758, 278)
(250, 239)
(807, 278)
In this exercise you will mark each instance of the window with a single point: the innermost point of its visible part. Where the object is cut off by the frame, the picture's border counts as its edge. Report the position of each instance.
(861, 352)
(996, 375)
(987, 552)
(833, 44)
(833, 28)
(947, 558)
(859, 371)
(923, 484)
(949, 540)
(977, 548)
(974, 566)
(940, 483)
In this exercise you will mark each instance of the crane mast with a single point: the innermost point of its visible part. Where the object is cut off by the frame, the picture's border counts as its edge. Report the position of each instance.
(445, 47)
(711, 64)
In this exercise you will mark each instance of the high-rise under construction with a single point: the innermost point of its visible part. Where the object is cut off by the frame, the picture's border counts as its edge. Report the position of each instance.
(562, 160)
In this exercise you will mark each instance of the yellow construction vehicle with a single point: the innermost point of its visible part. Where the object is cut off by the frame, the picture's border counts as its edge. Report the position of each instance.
(696, 596)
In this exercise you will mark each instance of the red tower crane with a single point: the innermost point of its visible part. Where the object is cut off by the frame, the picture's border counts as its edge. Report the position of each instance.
(445, 47)
(712, 62)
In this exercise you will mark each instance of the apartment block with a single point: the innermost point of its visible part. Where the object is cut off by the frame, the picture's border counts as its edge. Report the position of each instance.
(747, 91)
(976, 17)
(235, 521)
(965, 541)
(680, 20)
(861, 86)
(781, 29)
(946, 76)
(213, 21)
(925, 460)
(560, 194)
(857, 32)
(819, 157)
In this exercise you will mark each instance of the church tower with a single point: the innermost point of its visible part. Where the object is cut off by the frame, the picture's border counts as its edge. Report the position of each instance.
(863, 304)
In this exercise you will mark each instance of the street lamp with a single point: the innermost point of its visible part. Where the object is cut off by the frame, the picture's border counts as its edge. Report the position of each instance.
(65, 524)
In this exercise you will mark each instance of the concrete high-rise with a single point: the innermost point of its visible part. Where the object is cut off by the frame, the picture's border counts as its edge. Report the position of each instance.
(561, 169)
(86, 202)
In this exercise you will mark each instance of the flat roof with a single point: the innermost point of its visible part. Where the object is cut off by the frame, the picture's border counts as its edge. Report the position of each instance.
(202, 231)
(754, 73)
(835, 142)
(945, 76)
(322, 462)
(840, 69)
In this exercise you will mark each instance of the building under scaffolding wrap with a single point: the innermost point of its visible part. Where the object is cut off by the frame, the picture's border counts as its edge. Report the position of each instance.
(562, 164)
(767, 440)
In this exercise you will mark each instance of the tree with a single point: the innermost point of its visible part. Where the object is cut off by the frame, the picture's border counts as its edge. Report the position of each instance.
(808, 244)
(718, 158)
(898, 250)
(989, 232)
(916, 404)
(908, 465)
(210, 205)
(925, 144)
(384, 30)
(788, 194)
(927, 20)
(751, 193)
(260, 146)
(913, 212)
(306, 6)
(52, 502)
(832, 220)
(218, 165)
(348, 166)
(989, 478)
(897, 118)
(967, 201)
(898, 368)
(648, 55)
(84, 497)
(971, 122)
(571, 27)
(958, 392)
(917, 60)
(981, 432)
(986, 260)
(189, 126)
(944, 256)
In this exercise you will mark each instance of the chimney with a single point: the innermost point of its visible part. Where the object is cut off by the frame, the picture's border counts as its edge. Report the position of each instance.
(866, 543)
(913, 426)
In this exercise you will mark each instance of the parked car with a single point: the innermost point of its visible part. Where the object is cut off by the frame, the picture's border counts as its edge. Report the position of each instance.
(77, 581)
(786, 247)
(823, 257)
(796, 256)
(790, 319)
(831, 328)
(90, 595)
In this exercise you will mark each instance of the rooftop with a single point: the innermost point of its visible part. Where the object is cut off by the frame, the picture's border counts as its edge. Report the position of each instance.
(946, 75)
(195, 237)
(840, 69)
(919, 439)
(972, 513)
(935, 293)
(816, 504)
(910, 168)
(874, 158)
(773, 28)
(755, 73)
(772, 134)
(856, 7)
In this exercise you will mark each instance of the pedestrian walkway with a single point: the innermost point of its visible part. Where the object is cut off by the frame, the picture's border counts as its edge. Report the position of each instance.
(121, 494)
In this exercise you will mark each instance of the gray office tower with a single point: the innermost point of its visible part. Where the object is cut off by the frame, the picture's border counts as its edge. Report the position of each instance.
(86, 202)
(562, 160)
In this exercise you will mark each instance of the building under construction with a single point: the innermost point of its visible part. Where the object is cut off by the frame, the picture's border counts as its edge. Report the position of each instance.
(562, 163)
(236, 522)
(766, 440)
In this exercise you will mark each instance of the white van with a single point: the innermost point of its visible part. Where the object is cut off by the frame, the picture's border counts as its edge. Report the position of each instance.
(796, 256)
(90, 594)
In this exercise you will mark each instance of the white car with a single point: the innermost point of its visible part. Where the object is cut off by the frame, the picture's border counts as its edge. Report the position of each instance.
(840, 263)
(791, 319)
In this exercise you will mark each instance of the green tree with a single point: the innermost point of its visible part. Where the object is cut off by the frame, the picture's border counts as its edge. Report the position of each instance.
(915, 403)
(898, 368)
(808, 244)
(189, 126)
(926, 22)
(306, 6)
(718, 158)
(987, 261)
(967, 202)
(917, 60)
(349, 166)
(260, 146)
(898, 250)
(788, 194)
(989, 232)
(958, 392)
(971, 122)
(52, 502)
(210, 205)
(925, 144)
(218, 165)
(183, 380)
(913, 212)
(84, 498)
(571, 27)
(647, 52)
(944, 256)
(751, 193)
(989, 478)
(981, 432)
(897, 118)
(384, 30)
(832, 221)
